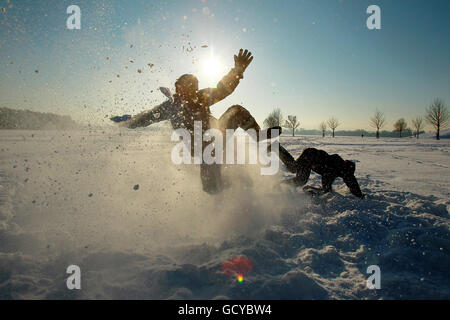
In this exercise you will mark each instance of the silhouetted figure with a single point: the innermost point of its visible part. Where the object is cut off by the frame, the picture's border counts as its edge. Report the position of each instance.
(328, 166)
(189, 104)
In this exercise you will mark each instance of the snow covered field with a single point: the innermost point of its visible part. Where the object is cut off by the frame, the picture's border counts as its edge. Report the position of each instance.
(112, 202)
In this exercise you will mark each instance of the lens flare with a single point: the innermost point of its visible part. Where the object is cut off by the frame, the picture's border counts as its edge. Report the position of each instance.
(237, 267)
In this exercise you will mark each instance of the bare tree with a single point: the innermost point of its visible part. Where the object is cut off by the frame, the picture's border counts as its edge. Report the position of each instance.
(418, 125)
(333, 123)
(437, 115)
(292, 123)
(400, 125)
(275, 118)
(378, 121)
(323, 128)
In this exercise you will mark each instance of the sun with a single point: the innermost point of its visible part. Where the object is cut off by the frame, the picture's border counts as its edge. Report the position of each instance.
(212, 67)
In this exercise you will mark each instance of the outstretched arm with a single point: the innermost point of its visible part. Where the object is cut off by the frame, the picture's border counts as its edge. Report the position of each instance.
(353, 185)
(159, 113)
(228, 83)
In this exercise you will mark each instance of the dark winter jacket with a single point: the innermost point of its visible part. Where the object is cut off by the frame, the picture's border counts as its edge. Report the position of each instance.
(182, 114)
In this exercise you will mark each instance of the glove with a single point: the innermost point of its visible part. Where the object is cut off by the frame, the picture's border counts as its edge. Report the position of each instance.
(118, 119)
(242, 60)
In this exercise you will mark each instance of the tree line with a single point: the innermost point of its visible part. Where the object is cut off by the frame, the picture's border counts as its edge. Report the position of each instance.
(31, 120)
(436, 115)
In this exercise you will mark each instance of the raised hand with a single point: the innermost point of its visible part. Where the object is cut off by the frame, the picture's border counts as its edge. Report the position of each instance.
(242, 60)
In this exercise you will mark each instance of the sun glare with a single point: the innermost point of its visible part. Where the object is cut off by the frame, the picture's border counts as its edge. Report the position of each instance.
(212, 67)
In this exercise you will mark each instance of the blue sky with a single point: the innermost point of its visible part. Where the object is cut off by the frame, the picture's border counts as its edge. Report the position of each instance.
(314, 59)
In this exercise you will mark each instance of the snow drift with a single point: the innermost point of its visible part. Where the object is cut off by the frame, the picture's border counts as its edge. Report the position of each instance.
(111, 202)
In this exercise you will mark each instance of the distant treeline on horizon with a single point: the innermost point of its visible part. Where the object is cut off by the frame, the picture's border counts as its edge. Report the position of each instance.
(31, 120)
(358, 132)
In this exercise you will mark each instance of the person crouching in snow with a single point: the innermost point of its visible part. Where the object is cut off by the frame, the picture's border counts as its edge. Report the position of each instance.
(328, 166)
